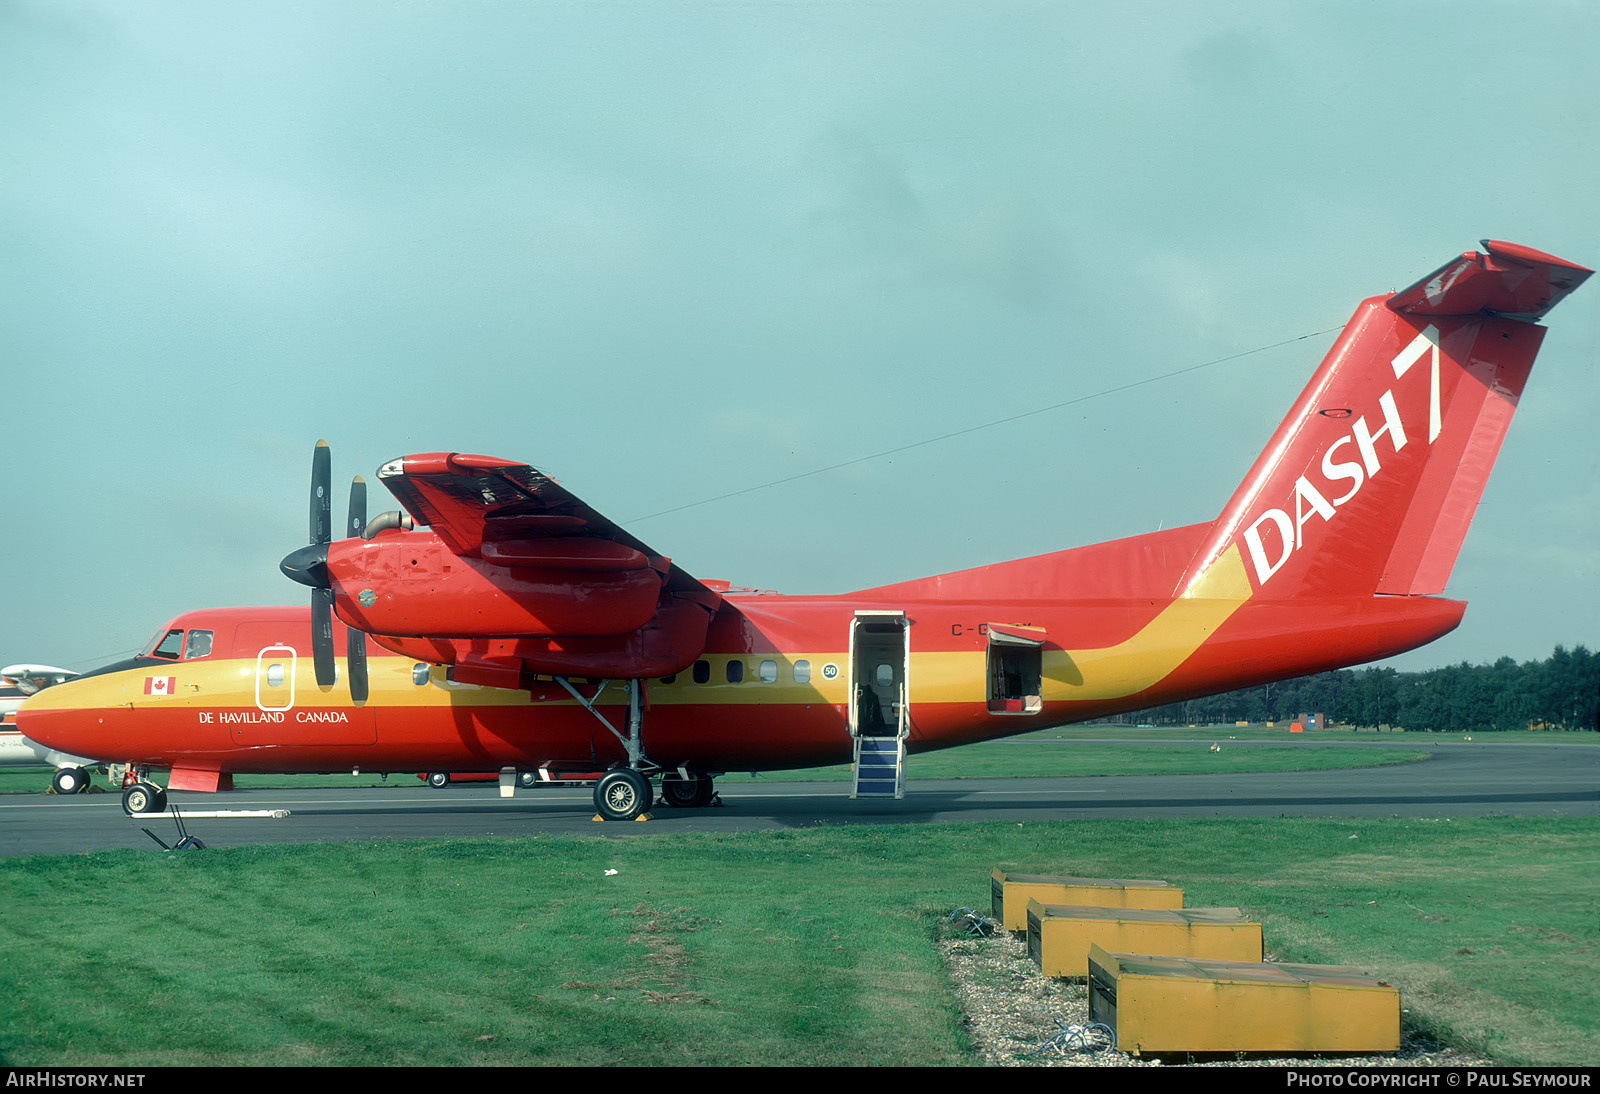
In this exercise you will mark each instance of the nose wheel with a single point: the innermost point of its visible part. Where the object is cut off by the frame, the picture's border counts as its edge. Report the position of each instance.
(142, 798)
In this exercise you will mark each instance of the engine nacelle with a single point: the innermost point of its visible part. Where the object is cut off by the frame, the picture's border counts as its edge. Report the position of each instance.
(410, 584)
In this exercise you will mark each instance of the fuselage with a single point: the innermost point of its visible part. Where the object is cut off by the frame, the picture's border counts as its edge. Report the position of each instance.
(232, 690)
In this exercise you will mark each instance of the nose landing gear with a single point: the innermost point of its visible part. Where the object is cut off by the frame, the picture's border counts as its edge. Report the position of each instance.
(143, 797)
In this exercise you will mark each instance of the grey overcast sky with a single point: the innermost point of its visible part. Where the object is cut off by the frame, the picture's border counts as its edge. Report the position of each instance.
(669, 250)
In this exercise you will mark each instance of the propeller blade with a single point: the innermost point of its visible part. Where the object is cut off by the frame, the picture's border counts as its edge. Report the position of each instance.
(321, 501)
(358, 507)
(355, 640)
(322, 635)
(355, 655)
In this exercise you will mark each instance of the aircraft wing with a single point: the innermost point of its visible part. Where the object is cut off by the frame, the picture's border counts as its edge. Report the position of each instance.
(513, 514)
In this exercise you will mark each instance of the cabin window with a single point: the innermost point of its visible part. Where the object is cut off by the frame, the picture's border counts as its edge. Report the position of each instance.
(419, 674)
(669, 679)
(885, 676)
(769, 672)
(198, 644)
(702, 671)
(275, 676)
(735, 671)
(802, 672)
(169, 646)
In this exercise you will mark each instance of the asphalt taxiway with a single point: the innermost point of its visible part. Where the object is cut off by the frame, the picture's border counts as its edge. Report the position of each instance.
(1458, 779)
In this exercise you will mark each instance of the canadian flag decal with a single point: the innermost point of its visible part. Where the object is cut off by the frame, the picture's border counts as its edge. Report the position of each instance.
(160, 685)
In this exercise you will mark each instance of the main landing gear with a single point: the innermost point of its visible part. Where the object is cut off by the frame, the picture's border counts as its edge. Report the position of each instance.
(694, 792)
(624, 794)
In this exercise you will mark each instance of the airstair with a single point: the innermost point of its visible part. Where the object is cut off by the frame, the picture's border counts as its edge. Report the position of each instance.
(880, 770)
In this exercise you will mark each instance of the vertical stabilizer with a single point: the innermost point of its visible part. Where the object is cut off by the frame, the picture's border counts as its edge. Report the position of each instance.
(1369, 484)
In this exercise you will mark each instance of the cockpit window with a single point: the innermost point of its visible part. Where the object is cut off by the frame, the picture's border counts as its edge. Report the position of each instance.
(197, 645)
(169, 645)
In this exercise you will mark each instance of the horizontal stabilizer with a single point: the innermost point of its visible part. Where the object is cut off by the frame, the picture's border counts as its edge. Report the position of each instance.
(1511, 280)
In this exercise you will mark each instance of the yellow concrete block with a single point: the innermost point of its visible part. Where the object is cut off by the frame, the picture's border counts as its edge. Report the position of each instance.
(1176, 1004)
(1010, 893)
(1059, 935)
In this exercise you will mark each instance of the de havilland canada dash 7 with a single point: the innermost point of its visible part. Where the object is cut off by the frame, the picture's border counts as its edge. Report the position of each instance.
(501, 624)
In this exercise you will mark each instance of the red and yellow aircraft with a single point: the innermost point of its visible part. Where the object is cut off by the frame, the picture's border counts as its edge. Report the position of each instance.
(521, 631)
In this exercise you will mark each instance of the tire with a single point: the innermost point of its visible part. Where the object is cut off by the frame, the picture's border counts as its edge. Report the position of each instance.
(622, 794)
(439, 779)
(142, 798)
(684, 793)
(69, 780)
(676, 791)
(704, 791)
(527, 780)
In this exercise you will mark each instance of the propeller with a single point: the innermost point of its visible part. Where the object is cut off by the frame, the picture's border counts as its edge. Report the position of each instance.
(309, 566)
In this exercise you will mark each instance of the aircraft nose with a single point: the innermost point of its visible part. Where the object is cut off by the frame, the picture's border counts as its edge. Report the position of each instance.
(308, 565)
(54, 717)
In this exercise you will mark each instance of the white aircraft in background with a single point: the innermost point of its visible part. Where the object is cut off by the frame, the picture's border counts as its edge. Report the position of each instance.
(17, 682)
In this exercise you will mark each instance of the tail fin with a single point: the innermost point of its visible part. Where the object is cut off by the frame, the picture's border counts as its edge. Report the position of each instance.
(1369, 484)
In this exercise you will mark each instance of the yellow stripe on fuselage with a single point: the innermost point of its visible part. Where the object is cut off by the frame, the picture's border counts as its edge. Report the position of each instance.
(233, 683)
(1169, 640)
(1107, 672)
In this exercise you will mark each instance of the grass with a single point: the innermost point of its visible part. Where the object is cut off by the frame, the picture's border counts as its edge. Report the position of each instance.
(791, 947)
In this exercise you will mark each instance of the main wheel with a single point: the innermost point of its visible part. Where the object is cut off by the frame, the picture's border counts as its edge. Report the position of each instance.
(527, 780)
(69, 780)
(686, 793)
(677, 791)
(143, 798)
(622, 794)
(439, 778)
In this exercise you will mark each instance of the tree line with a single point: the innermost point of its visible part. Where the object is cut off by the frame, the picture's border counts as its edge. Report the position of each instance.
(1560, 692)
